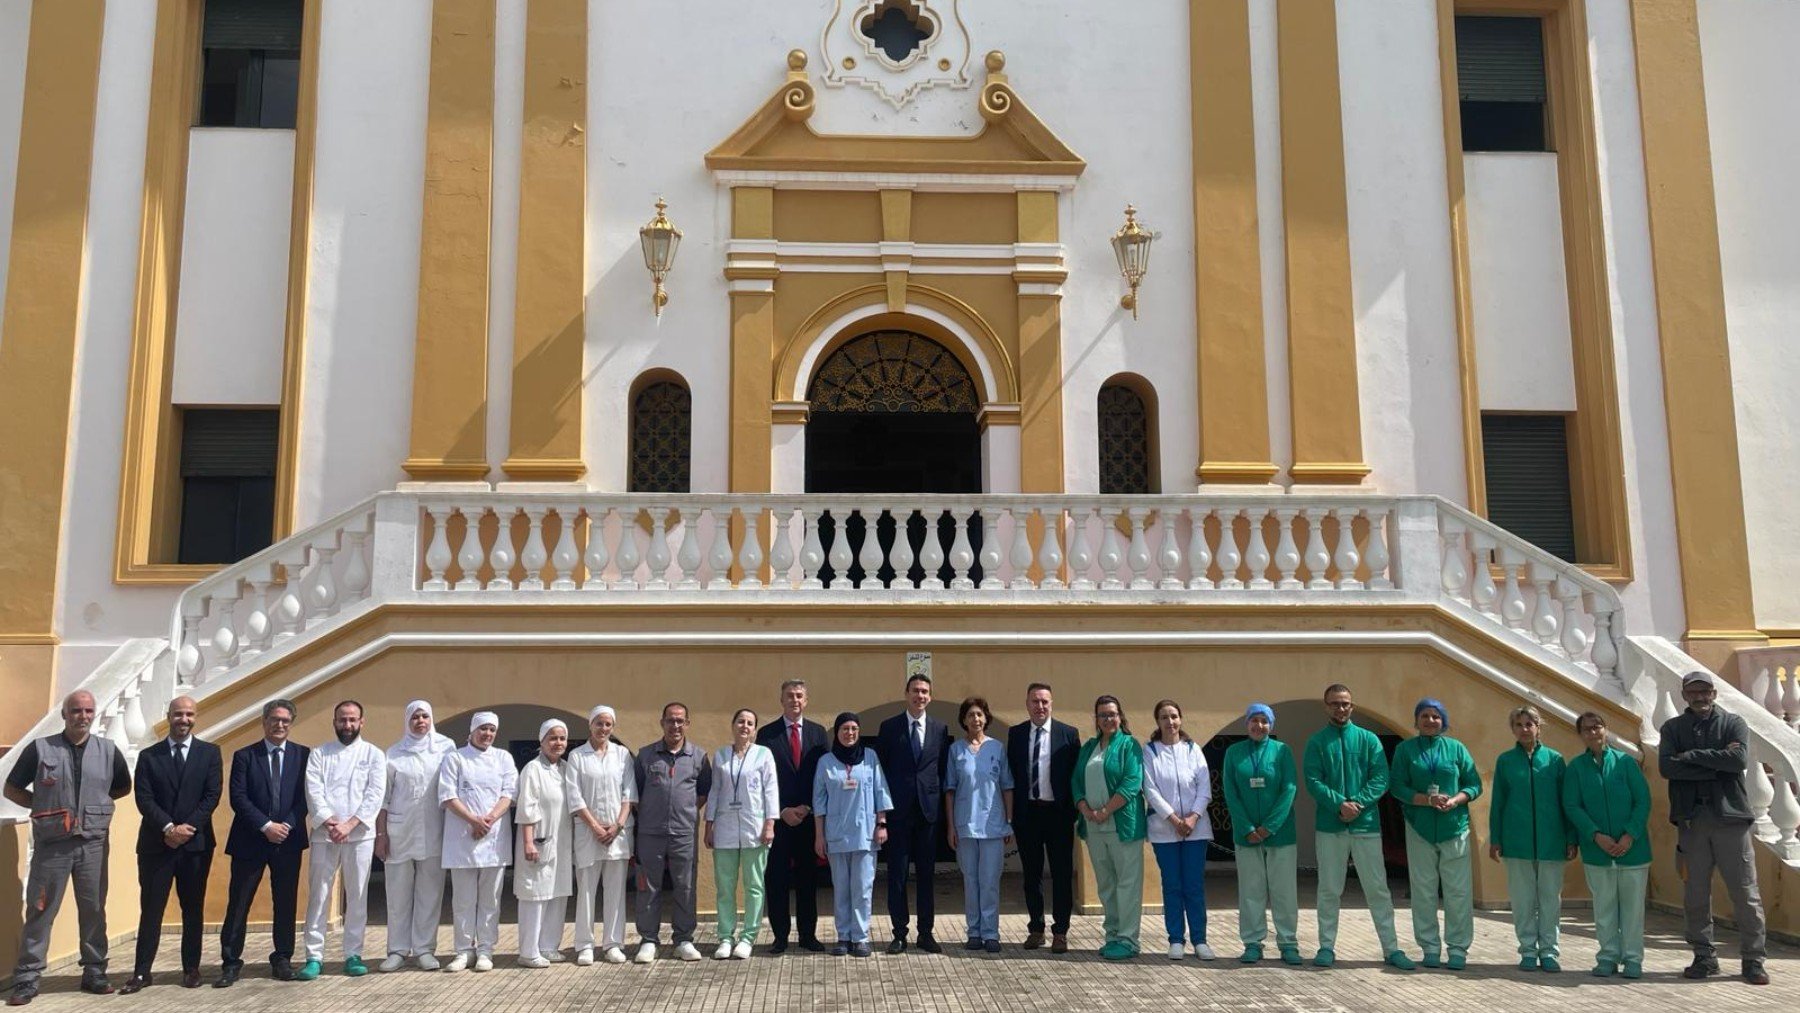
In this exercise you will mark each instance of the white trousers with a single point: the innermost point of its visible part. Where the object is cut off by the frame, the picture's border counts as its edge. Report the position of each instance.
(352, 859)
(541, 926)
(415, 898)
(475, 908)
(609, 875)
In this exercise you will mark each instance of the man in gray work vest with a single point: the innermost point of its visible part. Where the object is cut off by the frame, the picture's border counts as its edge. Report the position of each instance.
(68, 781)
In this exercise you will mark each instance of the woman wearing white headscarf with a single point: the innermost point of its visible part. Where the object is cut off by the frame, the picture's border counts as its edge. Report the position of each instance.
(476, 786)
(602, 794)
(409, 840)
(542, 874)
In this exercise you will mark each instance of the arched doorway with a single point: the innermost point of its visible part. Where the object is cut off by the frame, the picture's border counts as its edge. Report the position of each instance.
(893, 411)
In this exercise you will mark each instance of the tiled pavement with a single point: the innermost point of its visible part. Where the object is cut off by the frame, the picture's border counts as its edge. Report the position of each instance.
(1012, 981)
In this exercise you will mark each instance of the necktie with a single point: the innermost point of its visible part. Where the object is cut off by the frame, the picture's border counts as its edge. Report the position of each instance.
(794, 743)
(275, 776)
(918, 740)
(1037, 755)
(180, 759)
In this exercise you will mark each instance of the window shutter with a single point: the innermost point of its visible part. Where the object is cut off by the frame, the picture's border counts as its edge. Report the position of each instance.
(229, 442)
(253, 24)
(1500, 59)
(1527, 464)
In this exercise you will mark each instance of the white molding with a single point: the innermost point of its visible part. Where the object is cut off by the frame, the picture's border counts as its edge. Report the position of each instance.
(766, 285)
(990, 387)
(923, 182)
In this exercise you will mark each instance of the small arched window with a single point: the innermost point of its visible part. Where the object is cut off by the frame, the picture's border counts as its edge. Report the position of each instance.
(661, 437)
(1124, 423)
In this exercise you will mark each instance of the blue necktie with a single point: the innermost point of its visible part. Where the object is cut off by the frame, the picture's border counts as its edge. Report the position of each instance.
(918, 741)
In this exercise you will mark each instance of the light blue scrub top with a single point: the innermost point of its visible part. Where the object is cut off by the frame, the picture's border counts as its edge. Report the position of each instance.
(978, 777)
(847, 800)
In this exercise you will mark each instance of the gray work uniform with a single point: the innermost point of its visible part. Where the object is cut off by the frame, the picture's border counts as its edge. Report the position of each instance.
(1708, 807)
(670, 787)
(72, 789)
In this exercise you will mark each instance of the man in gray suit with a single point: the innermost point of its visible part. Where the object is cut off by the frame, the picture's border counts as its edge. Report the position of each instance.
(69, 781)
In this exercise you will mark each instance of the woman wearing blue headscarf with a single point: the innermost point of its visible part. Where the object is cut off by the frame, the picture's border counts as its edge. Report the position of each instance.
(1434, 778)
(1259, 793)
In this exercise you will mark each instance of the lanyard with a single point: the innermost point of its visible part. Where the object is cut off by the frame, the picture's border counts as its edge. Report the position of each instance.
(1430, 758)
(1257, 749)
(737, 777)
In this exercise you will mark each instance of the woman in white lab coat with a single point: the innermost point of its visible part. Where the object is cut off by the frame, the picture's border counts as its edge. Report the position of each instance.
(740, 826)
(409, 840)
(476, 787)
(603, 794)
(543, 868)
(1178, 788)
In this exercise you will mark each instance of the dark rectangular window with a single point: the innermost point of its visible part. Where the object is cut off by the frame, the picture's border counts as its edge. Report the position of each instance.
(250, 54)
(1501, 83)
(1528, 489)
(227, 483)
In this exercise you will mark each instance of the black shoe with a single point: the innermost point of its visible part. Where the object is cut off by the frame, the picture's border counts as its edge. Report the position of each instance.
(841, 949)
(136, 983)
(190, 978)
(97, 985)
(22, 993)
(1702, 967)
(991, 945)
(1754, 973)
(228, 976)
(972, 943)
(1034, 939)
(859, 949)
(812, 946)
(929, 944)
(777, 947)
(897, 947)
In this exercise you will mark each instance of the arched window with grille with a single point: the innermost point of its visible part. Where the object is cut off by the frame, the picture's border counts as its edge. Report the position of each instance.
(662, 425)
(1126, 424)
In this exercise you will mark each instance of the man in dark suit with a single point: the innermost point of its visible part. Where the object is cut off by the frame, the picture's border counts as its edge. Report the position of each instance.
(797, 744)
(914, 749)
(268, 832)
(1041, 753)
(178, 784)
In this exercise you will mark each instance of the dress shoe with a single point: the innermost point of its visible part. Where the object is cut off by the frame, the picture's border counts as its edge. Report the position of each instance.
(1702, 967)
(1754, 972)
(22, 993)
(991, 945)
(281, 969)
(1059, 944)
(136, 983)
(897, 947)
(929, 944)
(97, 985)
(190, 978)
(228, 976)
(973, 943)
(812, 946)
(778, 947)
(1033, 940)
(841, 949)
(862, 950)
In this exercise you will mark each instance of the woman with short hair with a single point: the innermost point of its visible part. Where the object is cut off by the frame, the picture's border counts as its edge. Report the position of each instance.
(1607, 799)
(1108, 787)
(1526, 827)
(978, 801)
(1260, 788)
(740, 826)
(543, 871)
(851, 801)
(1178, 787)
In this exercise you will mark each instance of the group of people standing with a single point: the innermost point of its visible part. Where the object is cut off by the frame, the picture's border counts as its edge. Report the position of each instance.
(786, 797)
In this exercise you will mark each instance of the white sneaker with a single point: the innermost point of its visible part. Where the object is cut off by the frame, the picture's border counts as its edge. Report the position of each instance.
(614, 955)
(1204, 952)
(741, 951)
(427, 962)
(646, 953)
(394, 962)
(1177, 951)
(458, 962)
(533, 961)
(723, 952)
(584, 956)
(483, 962)
(686, 951)
(554, 956)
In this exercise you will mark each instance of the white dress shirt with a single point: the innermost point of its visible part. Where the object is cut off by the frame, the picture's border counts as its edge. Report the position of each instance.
(1176, 782)
(744, 794)
(344, 781)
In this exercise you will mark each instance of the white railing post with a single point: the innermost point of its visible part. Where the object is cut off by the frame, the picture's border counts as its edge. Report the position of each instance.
(394, 548)
(1168, 551)
(564, 558)
(594, 557)
(1418, 549)
(469, 556)
(1050, 554)
(1081, 557)
(962, 554)
(1347, 559)
(1256, 557)
(535, 555)
(1287, 554)
(901, 558)
(1137, 554)
(870, 557)
(719, 555)
(1199, 553)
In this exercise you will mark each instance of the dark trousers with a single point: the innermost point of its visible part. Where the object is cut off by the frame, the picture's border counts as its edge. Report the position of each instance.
(911, 847)
(284, 890)
(793, 866)
(1044, 829)
(185, 871)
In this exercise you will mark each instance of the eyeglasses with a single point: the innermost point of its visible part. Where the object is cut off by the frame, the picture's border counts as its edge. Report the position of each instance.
(279, 721)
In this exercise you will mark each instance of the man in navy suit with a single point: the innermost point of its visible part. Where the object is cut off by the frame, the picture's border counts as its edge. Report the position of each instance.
(914, 749)
(268, 832)
(178, 784)
(797, 744)
(1041, 753)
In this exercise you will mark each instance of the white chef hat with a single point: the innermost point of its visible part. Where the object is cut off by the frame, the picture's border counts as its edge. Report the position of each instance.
(600, 709)
(484, 718)
(544, 729)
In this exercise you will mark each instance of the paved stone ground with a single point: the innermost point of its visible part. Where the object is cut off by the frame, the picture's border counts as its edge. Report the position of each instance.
(1014, 980)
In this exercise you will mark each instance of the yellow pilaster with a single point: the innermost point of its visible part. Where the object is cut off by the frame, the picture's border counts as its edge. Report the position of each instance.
(1690, 311)
(1040, 353)
(1234, 400)
(293, 349)
(549, 335)
(1323, 395)
(449, 408)
(37, 332)
(752, 345)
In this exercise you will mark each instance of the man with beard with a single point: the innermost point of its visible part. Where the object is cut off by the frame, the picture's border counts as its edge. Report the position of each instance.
(345, 782)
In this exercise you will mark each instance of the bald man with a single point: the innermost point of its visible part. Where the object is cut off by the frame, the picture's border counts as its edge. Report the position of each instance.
(69, 781)
(178, 783)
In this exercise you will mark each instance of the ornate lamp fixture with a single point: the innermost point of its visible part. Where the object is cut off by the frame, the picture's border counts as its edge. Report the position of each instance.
(1131, 245)
(659, 239)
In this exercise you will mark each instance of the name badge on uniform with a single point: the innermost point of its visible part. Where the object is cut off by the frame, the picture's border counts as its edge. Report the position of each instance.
(734, 804)
(849, 783)
(1257, 782)
(1431, 789)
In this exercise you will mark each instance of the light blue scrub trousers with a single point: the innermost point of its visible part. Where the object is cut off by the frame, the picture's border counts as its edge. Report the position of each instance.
(1619, 910)
(852, 893)
(980, 861)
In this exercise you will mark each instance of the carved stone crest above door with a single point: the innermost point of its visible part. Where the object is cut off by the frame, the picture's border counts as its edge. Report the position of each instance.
(896, 48)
